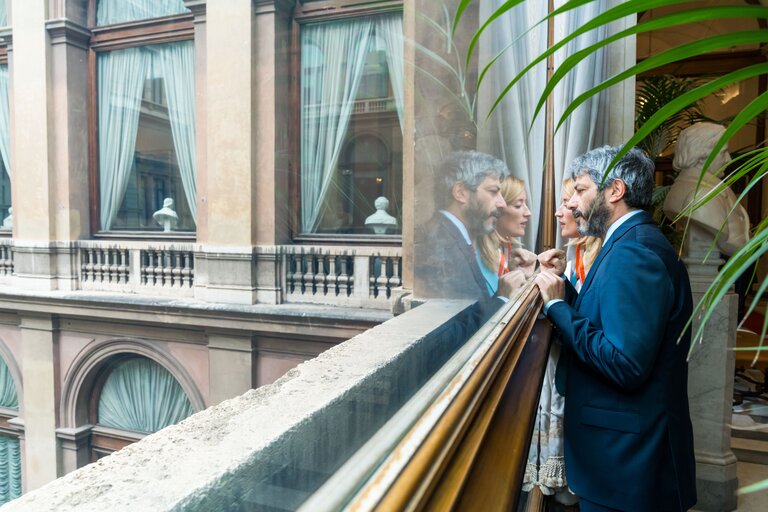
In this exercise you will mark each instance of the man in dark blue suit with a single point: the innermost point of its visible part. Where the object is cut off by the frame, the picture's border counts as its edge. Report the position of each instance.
(628, 435)
(469, 202)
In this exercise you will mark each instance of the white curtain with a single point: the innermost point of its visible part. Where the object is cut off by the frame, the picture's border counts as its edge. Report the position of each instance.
(5, 128)
(141, 396)
(330, 77)
(507, 132)
(120, 11)
(177, 62)
(10, 469)
(121, 77)
(390, 29)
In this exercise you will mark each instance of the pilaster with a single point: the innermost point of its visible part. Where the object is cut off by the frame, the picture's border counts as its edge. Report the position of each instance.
(75, 447)
(231, 365)
(40, 406)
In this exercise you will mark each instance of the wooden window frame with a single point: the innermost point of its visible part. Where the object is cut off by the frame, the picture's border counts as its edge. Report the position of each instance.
(167, 29)
(315, 12)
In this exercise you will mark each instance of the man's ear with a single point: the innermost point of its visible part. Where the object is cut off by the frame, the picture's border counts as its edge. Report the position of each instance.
(460, 192)
(615, 191)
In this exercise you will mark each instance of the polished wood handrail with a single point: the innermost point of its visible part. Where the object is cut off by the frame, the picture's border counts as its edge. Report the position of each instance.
(473, 457)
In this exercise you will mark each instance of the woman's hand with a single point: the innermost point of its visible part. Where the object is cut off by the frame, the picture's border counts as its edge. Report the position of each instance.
(553, 261)
(524, 260)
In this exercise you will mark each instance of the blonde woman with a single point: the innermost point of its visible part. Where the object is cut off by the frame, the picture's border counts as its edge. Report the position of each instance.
(546, 467)
(500, 252)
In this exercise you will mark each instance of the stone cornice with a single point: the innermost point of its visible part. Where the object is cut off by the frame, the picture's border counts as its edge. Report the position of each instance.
(272, 6)
(198, 9)
(64, 31)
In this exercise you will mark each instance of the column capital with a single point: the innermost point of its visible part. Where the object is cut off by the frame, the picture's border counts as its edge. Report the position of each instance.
(64, 31)
(272, 6)
(198, 8)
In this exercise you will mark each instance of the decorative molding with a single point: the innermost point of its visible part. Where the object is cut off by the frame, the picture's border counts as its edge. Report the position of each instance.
(198, 8)
(84, 369)
(272, 6)
(64, 31)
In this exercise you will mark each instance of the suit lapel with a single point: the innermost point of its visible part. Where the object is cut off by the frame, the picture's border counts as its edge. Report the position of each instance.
(640, 218)
(466, 251)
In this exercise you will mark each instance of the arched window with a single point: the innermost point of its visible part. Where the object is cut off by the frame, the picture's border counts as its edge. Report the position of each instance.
(10, 453)
(137, 396)
(144, 103)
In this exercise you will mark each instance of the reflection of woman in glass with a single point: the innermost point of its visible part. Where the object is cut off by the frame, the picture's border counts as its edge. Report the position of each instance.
(546, 468)
(500, 252)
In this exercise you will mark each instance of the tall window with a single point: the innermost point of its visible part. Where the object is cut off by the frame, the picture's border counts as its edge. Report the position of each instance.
(10, 453)
(351, 125)
(145, 100)
(3, 14)
(138, 396)
(5, 133)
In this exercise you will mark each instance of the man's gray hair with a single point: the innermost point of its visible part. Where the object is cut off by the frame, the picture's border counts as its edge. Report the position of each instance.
(468, 167)
(635, 169)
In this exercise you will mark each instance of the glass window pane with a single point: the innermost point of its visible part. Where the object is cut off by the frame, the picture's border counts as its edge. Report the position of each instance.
(351, 130)
(3, 14)
(146, 138)
(8, 396)
(10, 469)
(121, 11)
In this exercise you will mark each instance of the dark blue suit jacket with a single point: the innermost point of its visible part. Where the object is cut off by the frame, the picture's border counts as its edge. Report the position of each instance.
(628, 435)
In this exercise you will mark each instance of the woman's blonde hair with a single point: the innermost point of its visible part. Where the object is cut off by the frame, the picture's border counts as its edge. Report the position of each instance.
(511, 188)
(591, 244)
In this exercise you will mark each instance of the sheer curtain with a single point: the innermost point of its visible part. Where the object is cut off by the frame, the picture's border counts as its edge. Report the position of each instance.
(142, 396)
(506, 134)
(120, 11)
(121, 77)
(390, 29)
(5, 128)
(177, 62)
(334, 70)
(8, 396)
(10, 469)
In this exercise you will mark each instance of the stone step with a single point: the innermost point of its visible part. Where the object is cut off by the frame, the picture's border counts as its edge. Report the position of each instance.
(754, 451)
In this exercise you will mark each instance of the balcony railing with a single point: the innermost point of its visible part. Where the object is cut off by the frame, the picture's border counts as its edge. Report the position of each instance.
(128, 267)
(361, 276)
(368, 277)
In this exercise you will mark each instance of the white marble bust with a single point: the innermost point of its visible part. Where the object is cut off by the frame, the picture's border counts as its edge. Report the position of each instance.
(166, 216)
(381, 220)
(693, 147)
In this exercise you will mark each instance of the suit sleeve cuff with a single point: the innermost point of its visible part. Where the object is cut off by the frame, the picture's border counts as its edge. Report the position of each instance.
(549, 304)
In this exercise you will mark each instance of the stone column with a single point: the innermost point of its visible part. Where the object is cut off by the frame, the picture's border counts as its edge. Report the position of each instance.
(230, 365)
(710, 383)
(31, 127)
(39, 368)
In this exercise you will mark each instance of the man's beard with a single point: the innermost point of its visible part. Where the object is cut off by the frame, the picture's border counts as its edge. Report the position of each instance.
(478, 220)
(596, 221)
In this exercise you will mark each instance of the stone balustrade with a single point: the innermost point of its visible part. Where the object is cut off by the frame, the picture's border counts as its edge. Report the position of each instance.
(6, 257)
(359, 276)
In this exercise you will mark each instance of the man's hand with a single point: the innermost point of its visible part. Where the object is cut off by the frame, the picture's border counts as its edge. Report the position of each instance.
(510, 282)
(524, 260)
(551, 285)
(553, 261)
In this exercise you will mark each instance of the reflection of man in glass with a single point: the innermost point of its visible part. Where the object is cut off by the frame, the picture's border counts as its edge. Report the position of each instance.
(469, 203)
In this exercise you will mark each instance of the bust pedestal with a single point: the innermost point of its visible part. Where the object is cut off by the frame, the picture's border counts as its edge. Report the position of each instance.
(710, 382)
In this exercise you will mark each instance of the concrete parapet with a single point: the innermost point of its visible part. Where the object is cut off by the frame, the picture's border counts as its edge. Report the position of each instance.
(271, 447)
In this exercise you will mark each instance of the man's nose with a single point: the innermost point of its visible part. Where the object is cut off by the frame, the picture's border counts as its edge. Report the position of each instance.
(500, 202)
(572, 203)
